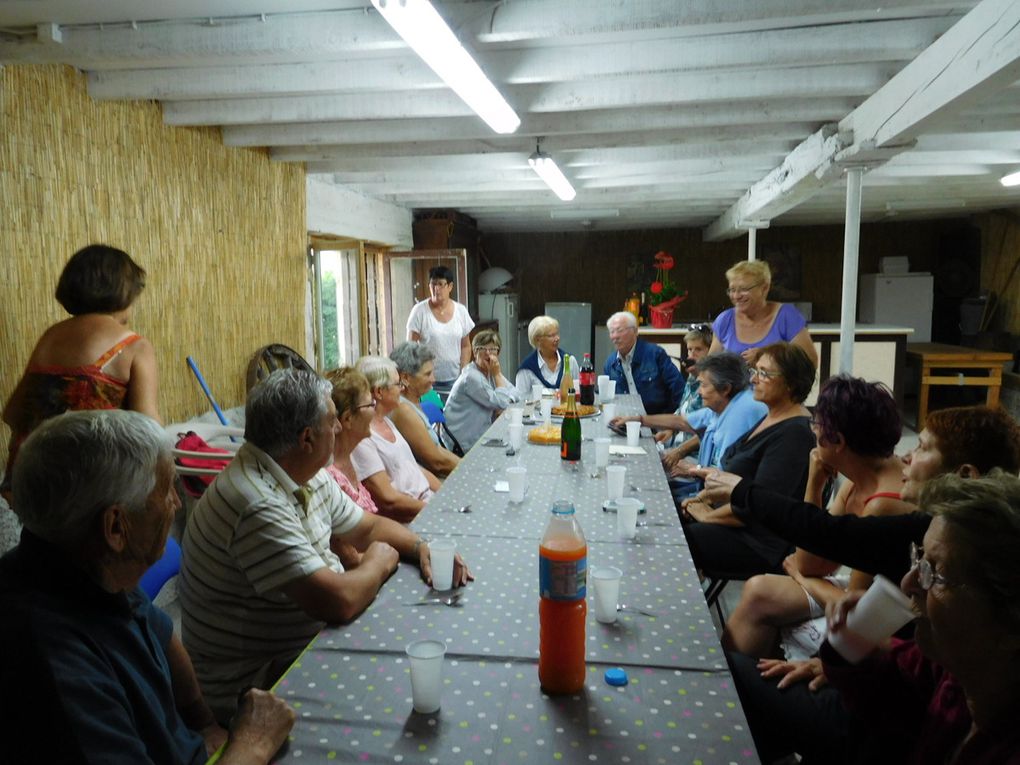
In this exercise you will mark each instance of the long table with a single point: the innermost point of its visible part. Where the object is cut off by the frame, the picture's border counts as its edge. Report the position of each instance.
(351, 687)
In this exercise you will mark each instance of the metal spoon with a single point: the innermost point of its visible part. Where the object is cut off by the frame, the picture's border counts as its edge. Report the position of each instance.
(638, 488)
(636, 610)
(653, 523)
(446, 600)
(464, 509)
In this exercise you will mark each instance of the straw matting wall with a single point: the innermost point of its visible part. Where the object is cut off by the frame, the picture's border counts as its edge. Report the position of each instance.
(220, 231)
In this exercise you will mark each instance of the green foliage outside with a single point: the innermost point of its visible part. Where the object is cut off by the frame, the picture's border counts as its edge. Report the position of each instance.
(330, 342)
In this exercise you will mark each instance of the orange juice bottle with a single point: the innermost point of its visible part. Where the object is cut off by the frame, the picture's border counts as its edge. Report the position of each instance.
(562, 609)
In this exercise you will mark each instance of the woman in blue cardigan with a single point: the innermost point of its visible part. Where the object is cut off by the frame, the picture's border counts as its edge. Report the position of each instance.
(544, 365)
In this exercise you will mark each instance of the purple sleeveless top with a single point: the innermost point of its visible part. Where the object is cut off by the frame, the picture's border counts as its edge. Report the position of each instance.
(788, 322)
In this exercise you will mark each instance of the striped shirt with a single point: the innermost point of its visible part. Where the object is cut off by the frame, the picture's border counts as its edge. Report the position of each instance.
(247, 538)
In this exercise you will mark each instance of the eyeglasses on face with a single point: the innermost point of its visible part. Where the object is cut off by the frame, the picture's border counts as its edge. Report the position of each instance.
(488, 349)
(927, 577)
(369, 405)
(621, 331)
(763, 374)
(741, 291)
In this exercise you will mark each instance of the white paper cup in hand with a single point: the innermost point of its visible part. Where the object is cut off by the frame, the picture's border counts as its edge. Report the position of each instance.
(607, 390)
(515, 434)
(602, 452)
(878, 614)
(606, 581)
(615, 476)
(626, 516)
(547, 405)
(608, 413)
(633, 432)
(426, 659)
(517, 477)
(515, 415)
(441, 552)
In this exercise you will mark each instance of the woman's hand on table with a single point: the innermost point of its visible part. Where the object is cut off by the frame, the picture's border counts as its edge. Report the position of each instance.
(663, 436)
(619, 422)
(461, 573)
(790, 672)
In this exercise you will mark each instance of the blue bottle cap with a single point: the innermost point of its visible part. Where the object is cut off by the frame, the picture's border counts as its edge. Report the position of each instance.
(616, 677)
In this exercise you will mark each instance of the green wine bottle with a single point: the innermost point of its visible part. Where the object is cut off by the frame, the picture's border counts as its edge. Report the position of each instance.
(570, 431)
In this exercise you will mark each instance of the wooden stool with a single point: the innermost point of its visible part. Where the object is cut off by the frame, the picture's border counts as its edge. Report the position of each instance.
(932, 356)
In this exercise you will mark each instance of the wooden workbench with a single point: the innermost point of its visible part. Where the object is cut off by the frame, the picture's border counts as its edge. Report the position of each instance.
(966, 365)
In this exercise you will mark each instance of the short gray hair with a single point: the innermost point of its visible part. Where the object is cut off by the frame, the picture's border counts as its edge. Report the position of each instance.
(724, 368)
(377, 370)
(281, 406)
(625, 316)
(411, 357)
(539, 326)
(76, 465)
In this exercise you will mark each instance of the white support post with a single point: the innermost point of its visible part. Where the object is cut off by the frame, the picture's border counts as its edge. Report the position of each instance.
(851, 256)
(752, 243)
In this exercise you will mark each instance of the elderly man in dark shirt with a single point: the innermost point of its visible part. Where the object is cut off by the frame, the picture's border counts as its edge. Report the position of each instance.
(92, 671)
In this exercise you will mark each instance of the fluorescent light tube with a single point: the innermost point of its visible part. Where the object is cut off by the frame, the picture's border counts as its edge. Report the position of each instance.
(546, 169)
(424, 30)
(1013, 179)
(590, 213)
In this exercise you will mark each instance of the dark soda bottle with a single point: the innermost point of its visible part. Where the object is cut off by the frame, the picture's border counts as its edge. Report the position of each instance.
(587, 376)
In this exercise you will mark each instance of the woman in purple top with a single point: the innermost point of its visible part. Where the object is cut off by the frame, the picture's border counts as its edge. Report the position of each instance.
(755, 321)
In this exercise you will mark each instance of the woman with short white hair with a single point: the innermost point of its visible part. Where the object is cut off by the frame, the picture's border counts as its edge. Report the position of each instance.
(544, 365)
(384, 461)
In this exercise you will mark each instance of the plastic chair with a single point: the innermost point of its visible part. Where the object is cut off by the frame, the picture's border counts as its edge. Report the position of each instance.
(438, 422)
(224, 439)
(163, 570)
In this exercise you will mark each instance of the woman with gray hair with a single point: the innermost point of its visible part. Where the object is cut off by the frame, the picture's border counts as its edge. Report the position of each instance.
(729, 411)
(543, 366)
(384, 461)
(416, 369)
(952, 693)
(481, 392)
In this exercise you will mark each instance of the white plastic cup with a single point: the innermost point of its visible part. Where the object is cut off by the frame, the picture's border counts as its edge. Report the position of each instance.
(515, 415)
(626, 516)
(633, 432)
(515, 434)
(615, 476)
(602, 452)
(607, 390)
(878, 614)
(608, 413)
(517, 477)
(600, 380)
(536, 391)
(547, 405)
(606, 581)
(442, 552)
(426, 659)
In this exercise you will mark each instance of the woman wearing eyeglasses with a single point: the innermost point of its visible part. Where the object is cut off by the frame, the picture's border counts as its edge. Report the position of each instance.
(544, 365)
(755, 321)
(383, 461)
(355, 409)
(951, 695)
(775, 453)
(481, 392)
(444, 325)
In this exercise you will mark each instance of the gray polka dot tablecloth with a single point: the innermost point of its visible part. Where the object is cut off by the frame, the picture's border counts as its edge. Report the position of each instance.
(351, 688)
(356, 707)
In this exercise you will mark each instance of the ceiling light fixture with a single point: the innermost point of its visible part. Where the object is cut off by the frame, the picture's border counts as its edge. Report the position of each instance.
(424, 30)
(589, 213)
(1013, 179)
(547, 170)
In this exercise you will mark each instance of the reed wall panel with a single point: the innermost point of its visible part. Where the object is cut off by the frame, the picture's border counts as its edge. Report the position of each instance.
(221, 231)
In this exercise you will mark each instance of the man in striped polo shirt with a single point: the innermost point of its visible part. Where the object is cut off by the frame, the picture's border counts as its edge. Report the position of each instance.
(261, 573)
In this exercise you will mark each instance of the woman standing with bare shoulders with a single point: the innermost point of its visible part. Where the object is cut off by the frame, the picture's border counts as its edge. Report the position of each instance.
(91, 360)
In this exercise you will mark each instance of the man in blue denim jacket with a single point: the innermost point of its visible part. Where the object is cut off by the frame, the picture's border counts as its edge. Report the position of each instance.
(642, 366)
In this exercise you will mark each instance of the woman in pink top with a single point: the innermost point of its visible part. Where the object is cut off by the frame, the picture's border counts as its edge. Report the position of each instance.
(355, 408)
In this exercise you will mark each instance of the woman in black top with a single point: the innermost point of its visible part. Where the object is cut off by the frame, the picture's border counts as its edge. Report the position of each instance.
(774, 453)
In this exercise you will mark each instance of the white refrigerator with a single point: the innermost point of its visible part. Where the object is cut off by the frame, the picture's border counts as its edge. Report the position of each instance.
(575, 327)
(503, 307)
(904, 300)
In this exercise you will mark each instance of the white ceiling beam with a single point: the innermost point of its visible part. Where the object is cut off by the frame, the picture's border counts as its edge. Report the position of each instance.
(287, 38)
(610, 93)
(673, 117)
(978, 55)
(1000, 139)
(888, 41)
